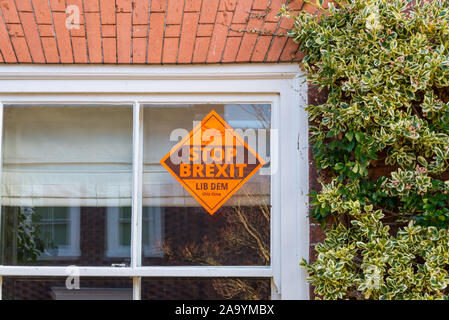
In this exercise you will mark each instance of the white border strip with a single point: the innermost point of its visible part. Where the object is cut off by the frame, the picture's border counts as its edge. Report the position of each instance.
(178, 72)
(190, 272)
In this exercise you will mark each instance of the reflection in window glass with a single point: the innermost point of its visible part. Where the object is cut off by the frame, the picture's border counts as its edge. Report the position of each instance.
(54, 288)
(239, 232)
(205, 289)
(66, 171)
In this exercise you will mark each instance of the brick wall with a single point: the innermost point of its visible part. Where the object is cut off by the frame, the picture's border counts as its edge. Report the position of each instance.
(146, 32)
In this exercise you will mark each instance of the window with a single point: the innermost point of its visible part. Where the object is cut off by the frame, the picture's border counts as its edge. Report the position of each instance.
(58, 230)
(119, 232)
(239, 232)
(81, 178)
(66, 168)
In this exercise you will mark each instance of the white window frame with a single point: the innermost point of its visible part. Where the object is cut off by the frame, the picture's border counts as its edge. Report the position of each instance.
(277, 84)
(72, 250)
(116, 250)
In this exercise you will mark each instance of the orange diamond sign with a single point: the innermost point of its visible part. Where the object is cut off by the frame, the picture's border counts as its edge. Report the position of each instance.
(212, 162)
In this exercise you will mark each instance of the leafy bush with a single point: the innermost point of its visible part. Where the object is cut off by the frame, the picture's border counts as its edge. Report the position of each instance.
(384, 65)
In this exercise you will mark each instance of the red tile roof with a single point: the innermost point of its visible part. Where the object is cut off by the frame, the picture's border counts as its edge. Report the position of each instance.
(145, 31)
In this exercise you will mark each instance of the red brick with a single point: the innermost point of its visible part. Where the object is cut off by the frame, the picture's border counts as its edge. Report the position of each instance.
(110, 50)
(218, 39)
(209, 11)
(32, 36)
(140, 31)
(227, 5)
(170, 52)
(285, 25)
(172, 31)
(231, 49)
(21, 49)
(274, 52)
(79, 5)
(158, 5)
(139, 50)
(9, 11)
(261, 48)
(290, 51)
(274, 10)
(140, 11)
(316, 234)
(187, 41)
(91, 6)
(295, 4)
(5, 44)
(201, 49)
(237, 30)
(270, 27)
(260, 4)
(155, 37)
(42, 11)
(79, 50)
(242, 9)
(63, 38)
(107, 10)
(51, 50)
(123, 5)
(174, 11)
(93, 30)
(109, 31)
(78, 32)
(205, 30)
(249, 40)
(15, 30)
(192, 5)
(124, 37)
(199, 27)
(56, 5)
(310, 8)
(46, 30)
(24, 5)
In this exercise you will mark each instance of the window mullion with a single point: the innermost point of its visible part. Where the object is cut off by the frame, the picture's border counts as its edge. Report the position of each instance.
(136, 217)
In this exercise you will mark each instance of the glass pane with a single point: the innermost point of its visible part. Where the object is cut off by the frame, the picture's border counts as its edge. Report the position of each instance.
(67, 173)
(205, 289)
(179, 229)
(51, 288)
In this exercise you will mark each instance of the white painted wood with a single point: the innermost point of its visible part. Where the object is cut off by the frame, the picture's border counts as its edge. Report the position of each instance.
(275, 200)
(128, 99)
(136, 217)
(294, 205)
(191, 72)
(139, 86)
(204, 272)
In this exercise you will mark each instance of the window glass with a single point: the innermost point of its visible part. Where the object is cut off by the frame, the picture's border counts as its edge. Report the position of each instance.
(205, 289)
(67, 172)
(54, 288)
(239, 232)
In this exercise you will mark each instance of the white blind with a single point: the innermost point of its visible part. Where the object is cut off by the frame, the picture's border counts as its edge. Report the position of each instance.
(82, 156)
(67, 156)
(159, 187)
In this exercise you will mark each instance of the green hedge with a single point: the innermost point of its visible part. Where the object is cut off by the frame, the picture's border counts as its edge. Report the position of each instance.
(385, 68)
